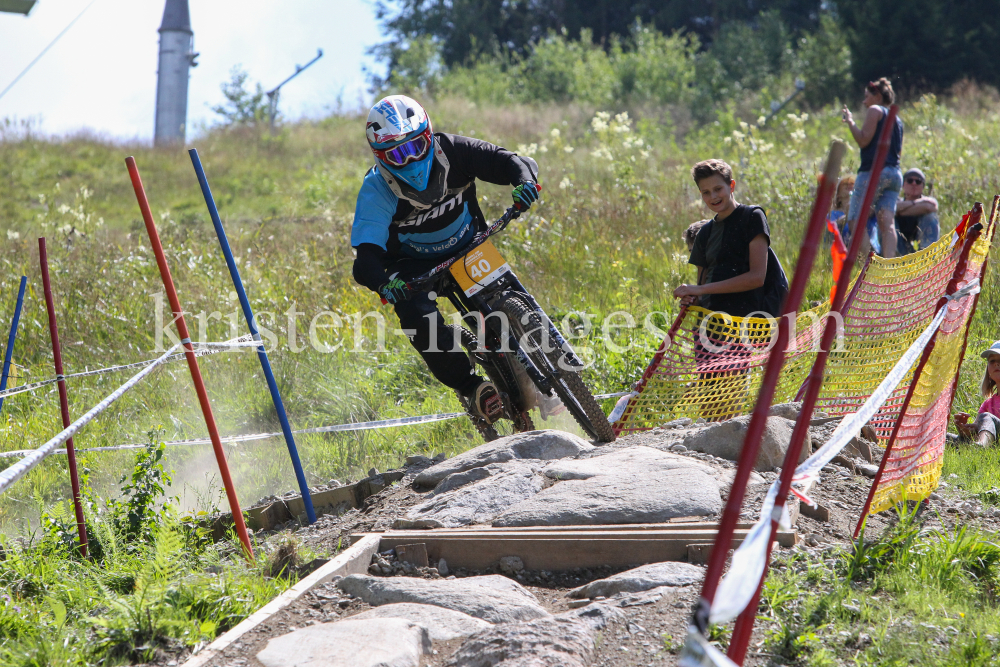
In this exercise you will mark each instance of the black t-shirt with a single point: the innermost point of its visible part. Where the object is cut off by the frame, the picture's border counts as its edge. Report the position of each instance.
(907, 226)
(733, 259)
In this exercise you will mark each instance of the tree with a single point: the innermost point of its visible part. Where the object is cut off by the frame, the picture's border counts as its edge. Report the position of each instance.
(242, 107)
(923, 44)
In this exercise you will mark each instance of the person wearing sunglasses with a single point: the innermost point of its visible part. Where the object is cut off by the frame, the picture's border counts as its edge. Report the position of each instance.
(916, 214)
(878, 96)
(418, 207)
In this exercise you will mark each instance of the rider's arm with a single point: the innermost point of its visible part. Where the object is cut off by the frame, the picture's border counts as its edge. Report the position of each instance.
(368, 269)
(480, 159)
(370, 230)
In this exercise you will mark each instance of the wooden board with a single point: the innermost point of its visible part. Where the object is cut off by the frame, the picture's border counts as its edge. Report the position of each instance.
(557, 548)
(353, 561)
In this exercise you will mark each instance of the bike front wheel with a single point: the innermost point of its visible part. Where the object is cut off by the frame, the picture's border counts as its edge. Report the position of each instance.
(528, 326)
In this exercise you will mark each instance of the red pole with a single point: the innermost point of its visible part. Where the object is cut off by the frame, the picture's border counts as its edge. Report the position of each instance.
(744, 624)
(182, 331)
(758, 420)
(74, 478)
(974, 229)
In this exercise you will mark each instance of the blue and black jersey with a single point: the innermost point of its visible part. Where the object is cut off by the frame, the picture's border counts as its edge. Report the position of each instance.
(392, 222)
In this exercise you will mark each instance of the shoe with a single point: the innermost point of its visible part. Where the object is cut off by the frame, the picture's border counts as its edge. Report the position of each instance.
(486, 403)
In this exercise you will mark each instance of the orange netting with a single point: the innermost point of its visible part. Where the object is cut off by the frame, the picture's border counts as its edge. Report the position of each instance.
(714, 365)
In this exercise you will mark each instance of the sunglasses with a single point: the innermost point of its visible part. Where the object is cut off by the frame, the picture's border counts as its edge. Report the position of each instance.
(914, 181)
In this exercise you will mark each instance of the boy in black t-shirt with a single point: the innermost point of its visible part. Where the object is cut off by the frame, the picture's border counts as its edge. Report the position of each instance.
(738, 273)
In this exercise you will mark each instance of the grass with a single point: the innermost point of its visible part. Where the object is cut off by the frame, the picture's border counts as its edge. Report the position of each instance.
(605, 238)
(914, 596)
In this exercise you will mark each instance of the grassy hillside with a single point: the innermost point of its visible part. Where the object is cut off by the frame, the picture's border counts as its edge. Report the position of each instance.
(606, 237)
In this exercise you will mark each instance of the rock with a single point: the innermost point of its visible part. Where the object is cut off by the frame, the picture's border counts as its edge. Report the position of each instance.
(478, 502)
(511, 565)
(641, 579)
(373, 472)
(442, 624)
(417, 460)
(624, 462)
(789, 411)
(492, 597)
(868, 469)
(375, 642)
(576, 604)
(555, 642)
(457, 479)
(725, 439)
(637, 460)
(443, 567)
(597, 615)
(610, 499)
(545, 445)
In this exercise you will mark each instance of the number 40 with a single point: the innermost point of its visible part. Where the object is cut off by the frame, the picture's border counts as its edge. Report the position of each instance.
(479, 269)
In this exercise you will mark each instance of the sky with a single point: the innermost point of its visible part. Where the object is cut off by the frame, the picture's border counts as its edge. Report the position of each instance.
(101, 76)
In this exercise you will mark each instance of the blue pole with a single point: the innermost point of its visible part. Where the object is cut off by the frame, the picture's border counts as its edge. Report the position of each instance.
(10, 338)
(265, 364)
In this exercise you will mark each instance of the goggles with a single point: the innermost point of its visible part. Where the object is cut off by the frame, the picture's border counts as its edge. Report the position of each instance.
(409, 151)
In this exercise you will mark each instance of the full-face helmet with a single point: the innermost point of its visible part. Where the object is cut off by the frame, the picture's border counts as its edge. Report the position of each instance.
(400, 135)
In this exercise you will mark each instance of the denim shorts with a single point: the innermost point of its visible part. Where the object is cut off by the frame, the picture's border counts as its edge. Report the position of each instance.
(886, 192)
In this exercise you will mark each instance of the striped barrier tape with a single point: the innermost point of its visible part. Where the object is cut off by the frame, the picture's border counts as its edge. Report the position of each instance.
(206, 349)
(336, 428)
(21, 468)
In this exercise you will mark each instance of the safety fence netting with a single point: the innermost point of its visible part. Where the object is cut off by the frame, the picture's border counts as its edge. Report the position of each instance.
(711, 365)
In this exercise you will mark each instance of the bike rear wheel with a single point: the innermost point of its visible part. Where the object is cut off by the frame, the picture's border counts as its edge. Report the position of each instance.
(527, 324)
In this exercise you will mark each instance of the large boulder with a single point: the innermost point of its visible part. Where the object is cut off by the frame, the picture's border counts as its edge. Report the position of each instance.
(548, 642)
(479, 501)
(442, 624)
(623, 463)
(613, 499)
(641, 579)
(376, 642)
(725, 440)
(544, 445)
(491, 597)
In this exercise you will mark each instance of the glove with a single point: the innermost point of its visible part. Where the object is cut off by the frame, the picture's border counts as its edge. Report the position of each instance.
(525, 195)
(394, 291)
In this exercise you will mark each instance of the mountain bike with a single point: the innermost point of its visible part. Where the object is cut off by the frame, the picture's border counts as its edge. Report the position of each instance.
(514, 341)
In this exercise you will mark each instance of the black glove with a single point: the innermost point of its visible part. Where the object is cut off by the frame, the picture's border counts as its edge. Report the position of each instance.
(525, 195)
(394, 291)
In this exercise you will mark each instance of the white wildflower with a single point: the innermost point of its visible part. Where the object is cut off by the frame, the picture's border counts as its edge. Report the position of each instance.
(761, 120)
(12, 235)
(739, 135)
(727, 140)
(568, 149)
(798, 135)
(744, 126)
(65, 229)
(63, 209)
(554, 133)
(600, 121)
(565, 183)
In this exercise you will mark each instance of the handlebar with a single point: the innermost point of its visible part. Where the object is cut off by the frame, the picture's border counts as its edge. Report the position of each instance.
(511, 213)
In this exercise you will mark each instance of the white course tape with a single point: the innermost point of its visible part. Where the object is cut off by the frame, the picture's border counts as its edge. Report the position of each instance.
(19, 469)
(747, 566)
(201, 350)
(698, 652)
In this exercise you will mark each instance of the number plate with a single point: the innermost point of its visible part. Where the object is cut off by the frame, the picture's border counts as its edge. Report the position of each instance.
(479, 268)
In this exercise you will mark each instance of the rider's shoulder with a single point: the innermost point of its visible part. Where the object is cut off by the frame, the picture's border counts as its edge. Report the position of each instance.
(374, 186)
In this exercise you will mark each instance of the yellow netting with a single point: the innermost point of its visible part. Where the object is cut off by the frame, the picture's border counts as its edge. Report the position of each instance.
(714, 365)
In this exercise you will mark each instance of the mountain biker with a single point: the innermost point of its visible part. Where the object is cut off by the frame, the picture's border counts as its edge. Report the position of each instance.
(416, 208)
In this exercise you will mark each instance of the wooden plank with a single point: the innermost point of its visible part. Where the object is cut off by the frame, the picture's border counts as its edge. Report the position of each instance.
(414, 554)
(353, 561)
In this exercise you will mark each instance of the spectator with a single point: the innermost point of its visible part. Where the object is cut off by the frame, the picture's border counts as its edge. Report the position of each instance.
(878, 96)
(841, 202)
(738, 273)
(985, 428)
(916, 214)
(691, 233)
